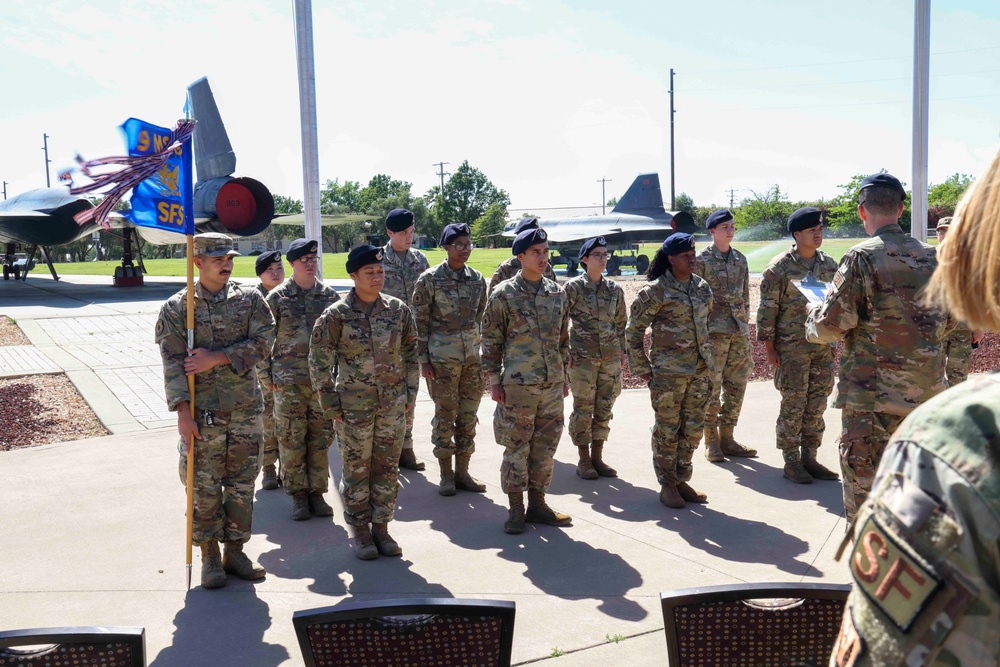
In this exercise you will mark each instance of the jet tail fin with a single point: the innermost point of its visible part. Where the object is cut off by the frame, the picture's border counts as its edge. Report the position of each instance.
(643, 196)
(214, 156)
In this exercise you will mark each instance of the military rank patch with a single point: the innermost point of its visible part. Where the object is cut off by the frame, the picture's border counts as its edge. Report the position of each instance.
(894, 580)
(850, 645)
(644, 296)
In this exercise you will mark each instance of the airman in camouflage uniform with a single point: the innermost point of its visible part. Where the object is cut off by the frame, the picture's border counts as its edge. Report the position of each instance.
(271, 272)
(367, 339)
(525, 355)
(508, 268)
(304, 433)
(676, 305)
(958, 345)
(892, 359)
(727, 273)
(596, 348)
(403, 265)
(804, 370)
(233, 332)
(448, 305)
(925, 564)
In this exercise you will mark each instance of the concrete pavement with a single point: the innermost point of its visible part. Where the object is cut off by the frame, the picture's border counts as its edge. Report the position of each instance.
(94, 529)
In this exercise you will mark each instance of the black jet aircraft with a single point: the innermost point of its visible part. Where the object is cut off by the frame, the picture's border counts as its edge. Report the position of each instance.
(638, 217)
(239, 206)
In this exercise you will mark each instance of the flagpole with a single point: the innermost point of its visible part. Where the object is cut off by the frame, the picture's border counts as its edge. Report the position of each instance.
(188, 204)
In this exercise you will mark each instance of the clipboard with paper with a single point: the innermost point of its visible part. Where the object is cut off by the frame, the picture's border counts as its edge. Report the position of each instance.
(813, 290)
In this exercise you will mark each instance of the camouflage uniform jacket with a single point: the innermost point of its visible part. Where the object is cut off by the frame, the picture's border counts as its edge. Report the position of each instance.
(597, 318)
(526, 335)
(730, 283)
(678, 314)
(401, 275)
(375, 356)
(295, 311)
(448, 308)
(781, 316)
(508, 268)
(235, 321)
(264, 367)
(926, 558)
(892, 359)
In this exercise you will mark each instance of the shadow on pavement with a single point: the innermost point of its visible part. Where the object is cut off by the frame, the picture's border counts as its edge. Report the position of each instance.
(768, 480)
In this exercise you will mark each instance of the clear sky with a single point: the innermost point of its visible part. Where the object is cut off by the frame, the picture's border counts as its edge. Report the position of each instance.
(545, 97)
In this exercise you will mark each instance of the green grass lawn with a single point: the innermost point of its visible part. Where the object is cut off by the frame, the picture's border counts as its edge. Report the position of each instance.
(758, 253)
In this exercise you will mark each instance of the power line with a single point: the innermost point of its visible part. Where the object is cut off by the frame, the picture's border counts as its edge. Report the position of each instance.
(442, 173)
(834, 83)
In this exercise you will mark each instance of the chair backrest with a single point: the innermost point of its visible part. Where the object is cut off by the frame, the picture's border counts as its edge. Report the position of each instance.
(753, 624)
(98, 646)
(414, 632)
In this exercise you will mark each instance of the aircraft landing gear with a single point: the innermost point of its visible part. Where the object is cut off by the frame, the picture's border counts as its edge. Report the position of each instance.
(128, 274)
(614, 266)
(641, 265)
(571, 265)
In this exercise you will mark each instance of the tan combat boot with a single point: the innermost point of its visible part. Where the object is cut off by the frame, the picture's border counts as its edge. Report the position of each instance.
(514, 525)
(318, 506)
(732, 448)
(383, 541)
(447, 484)
(463, 480)
(408, 460)
(671, 497)
(364, 546)
(539, 512)
(585, 468)
(713, 452)
(212, 574)
(238, 564)
(270, 479)
(794, 469)
(690, 495)
(596, 453)
(300, 506)
(815, 468)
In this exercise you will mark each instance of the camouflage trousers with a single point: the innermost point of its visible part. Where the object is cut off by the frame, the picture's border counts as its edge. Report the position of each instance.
(805, 380)
(270, 454)
(863, 439)
(958, 353)
(595, 384)
(733, 366)
(304, 436)
(529, 426)
(679, 405)
(370, 442)
(457, 390)
(226, 463)
(408, 432)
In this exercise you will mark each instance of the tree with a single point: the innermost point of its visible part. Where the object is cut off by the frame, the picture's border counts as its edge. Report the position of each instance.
(844, 219)
(683, 202)
(468, 194)
(613, 202)
(276, 230)
(763, 216)
(337, 198)
(487, 228)
(943, 198)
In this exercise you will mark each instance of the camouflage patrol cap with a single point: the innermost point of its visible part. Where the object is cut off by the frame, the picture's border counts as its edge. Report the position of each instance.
(213, 244)
(944, 223)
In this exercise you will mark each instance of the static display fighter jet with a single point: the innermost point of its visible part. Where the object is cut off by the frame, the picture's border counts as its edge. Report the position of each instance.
(639, 217)
(238, 206)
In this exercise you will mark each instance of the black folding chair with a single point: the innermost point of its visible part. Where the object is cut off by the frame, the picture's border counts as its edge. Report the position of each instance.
(785, 625)
(89, 645)
(421, 632)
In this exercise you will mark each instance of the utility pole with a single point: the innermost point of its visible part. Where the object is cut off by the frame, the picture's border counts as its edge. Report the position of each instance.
(442, 173)
(732, 198)
(5, 190)
(604, 199)
(45, 147)
(673, 198)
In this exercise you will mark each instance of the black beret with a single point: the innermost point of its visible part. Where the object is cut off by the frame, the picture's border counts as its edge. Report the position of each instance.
(266, 259)
(453, 231)
(590, 244)
(363, 255)
(300, 248)
(528, 238)
(677, 243)
(717, 217)
(806, 217)
(884, 180)
(525, 223)
(398, 220)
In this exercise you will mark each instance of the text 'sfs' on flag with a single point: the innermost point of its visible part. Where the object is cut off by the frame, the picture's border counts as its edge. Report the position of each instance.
(164, 200)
